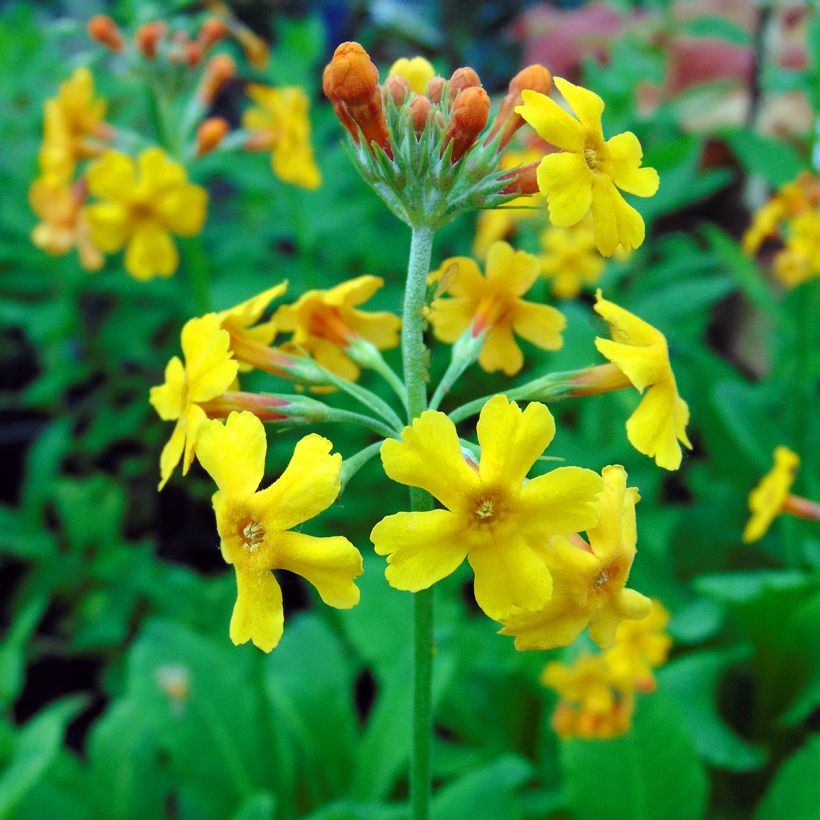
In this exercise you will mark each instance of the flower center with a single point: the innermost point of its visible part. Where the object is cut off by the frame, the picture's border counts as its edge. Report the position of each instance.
(484, 509)
(252, 535)
(591, 158)
(327, 323)
(142, 212)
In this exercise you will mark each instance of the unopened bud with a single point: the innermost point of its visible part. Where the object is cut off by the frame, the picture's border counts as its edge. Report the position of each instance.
(352, 76)
(523, 180)
(210, 134)
(462, 79)
(104, 30)
(193, 54)
(435, 88)
(467, 121)
(398, 88)
(219, 71)
(533, 78)
(420, 109)
(148, 37)
(213, 30)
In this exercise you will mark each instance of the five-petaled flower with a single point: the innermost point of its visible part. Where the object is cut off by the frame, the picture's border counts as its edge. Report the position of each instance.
(587, 172)
(208, 371)
(143, 204)
(640, 352)
(569, 258)
(494, 304)
(493, 517)
(588, 578)
(256, 526)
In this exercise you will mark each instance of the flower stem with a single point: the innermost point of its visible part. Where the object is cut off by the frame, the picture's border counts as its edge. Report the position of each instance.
(415, 379)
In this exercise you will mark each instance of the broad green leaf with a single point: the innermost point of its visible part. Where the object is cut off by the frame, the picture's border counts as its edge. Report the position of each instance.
(795, 790)
(718, 27)
(774, 160)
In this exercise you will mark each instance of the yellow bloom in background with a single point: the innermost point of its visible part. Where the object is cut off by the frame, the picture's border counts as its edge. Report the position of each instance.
(639, 648)
(569, 259)
(143, 204)
(60, 207)
(640, 352)
(208, 371)
(493, 517)
(799, 260)
(256, 527)
(279, 123)
(493, 303)
(416, 70)
(588, 579)
(325, 322)
(767, 499)
(586, 174)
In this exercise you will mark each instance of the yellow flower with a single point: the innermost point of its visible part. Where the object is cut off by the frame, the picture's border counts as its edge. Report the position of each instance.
(569, 259)
(767, 499)
(493, 517)
(416, 70)
(208, 372)
(588, 579)
(325, 322)
(799, 260)
(640, 646)
(587, 172)
(144, 203)
(63, 225)
(279, 123)
(494, 303)
(256, 526)
(641, 353)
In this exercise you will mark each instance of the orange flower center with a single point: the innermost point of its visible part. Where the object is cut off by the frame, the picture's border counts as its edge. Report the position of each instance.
(326, 323)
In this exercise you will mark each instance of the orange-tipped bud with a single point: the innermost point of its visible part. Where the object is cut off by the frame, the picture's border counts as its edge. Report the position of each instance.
(210, 134)
(534, 78)
(420, 109)
(398, 88)
(370, 118)
(351, 76)
(104, 30)
(462, 79)
(148, 38)
(523, 180)
(255, 48)
(435, 88)
(467, 121)
(213, 30)
(193, 54)
(219, 71)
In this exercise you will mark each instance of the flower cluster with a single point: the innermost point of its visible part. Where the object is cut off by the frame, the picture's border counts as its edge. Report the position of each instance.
(142, 196)
(597, 692)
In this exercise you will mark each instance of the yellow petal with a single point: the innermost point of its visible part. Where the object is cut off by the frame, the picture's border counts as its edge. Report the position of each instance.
(158, 172)
(353, 291)
(233, 453)
(558, 624)
(416, 70)
(422, 547)
(194, 416)
(561, 502)
(551, 122)
(379, 328)
(168, 399)
(539, 324)
(330, 564)
(507, 575)
(208, 362)
(626, 153)
(294, 164)
(112, 177)
(615, 532)
(151, 252)
(429, 456)
(568, 184)
(626, 327)
(461, 276)
(308, 486)
(171, 453)
(511, 441)
(258, 615)
(110, 225)
(655, 427)
(333, 358)
(615, 222)
(500, 351)
(182, 209)
(450, 318)
(250, 311)
(511, 272)
(587, 105)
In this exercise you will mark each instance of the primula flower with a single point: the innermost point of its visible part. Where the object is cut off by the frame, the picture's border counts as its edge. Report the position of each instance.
(416, 70)
(569, 259)
(493, 517)
(640, 352)
(325, 323)
(63, 227)
(256, 526)
(208, 372)
(493, 303)
(588, 579)
(768, 499)
(799, 261)
(144, 203)
(640, 646)
(279, 123)
(588, 171)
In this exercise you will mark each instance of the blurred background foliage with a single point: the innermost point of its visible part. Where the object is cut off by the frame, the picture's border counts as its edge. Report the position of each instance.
(122, 696)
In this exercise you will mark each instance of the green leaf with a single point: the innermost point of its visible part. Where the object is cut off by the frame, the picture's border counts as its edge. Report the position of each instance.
(795, 790)
(747, 587)
(774, 160)
(651, 772)
(259, 806)
(721, 28)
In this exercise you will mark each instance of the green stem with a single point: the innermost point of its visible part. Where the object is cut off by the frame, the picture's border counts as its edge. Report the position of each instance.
(381, 367)
(415, 379)
(342, 416)
(196, 263)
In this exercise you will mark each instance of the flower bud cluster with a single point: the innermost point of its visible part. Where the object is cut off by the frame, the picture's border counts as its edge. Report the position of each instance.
(423, 153)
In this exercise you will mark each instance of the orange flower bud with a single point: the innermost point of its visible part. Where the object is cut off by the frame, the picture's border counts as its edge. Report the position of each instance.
(104, 30)
(534, 78)
(470, 112)
(148, 37)
(193, 54)
(462, 79)
(210, 134)
(420, 108)
(212, 31)
(435, 88)
(219, 71)
(398, 88)
(352, 76)
(369, 117)
(523, 180)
